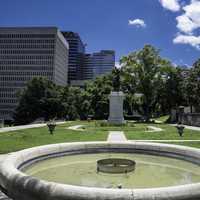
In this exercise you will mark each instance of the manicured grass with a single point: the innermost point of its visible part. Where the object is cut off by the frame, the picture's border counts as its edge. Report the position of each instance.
(21, 139)
(93, 131)
(169, 133)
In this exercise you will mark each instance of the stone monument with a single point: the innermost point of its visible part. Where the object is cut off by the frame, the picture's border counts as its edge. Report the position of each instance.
(116, 99)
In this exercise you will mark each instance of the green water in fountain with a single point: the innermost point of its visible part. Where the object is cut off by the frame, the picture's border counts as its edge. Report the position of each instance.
(151, 171)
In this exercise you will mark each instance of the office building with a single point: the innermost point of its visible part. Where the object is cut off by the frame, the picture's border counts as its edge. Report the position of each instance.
(76, 56)
(101, 63)
(26, 53)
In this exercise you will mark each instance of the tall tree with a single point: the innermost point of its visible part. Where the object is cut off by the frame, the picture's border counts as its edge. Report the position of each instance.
(192, 86)
(144, 69)
(40, 99)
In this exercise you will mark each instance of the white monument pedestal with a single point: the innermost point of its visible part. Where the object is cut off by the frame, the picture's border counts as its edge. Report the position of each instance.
(116, 115)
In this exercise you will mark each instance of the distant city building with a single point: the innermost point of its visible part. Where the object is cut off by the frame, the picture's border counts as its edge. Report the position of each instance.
(88, 67)
(101, 62)
(26, 53)
(76, 56)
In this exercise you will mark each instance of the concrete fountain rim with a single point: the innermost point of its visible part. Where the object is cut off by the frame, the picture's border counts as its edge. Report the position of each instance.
(12, 179)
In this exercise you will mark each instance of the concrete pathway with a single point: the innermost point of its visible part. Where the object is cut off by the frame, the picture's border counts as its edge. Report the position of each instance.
(153, 129)
(116, 136)
(76, 128)
(15, 128)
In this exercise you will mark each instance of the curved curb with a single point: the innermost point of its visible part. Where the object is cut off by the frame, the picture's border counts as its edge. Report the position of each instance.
(19, 186)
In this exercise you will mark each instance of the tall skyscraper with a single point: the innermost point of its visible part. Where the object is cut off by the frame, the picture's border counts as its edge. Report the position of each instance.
(100, 63)
(26, 53)
(76, 56)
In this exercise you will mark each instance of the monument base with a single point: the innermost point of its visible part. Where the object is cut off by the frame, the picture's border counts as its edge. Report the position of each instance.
(116, 115)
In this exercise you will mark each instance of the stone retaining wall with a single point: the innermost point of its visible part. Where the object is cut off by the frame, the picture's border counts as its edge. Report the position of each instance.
(19, 186)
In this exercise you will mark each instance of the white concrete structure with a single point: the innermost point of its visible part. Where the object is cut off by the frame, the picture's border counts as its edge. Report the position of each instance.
(116, 136)
(116, 112)
(20, 186)
(153, 129)
(76, 128)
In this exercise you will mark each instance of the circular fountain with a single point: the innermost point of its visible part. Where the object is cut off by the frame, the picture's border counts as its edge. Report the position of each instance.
(20, 184)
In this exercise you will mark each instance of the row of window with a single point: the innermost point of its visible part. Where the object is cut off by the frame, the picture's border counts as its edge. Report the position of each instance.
(27, 35)
(25, 51)
(26, 46)
(25, 68)
(7, 106)
(26, 57)
(4, 112)
(8, 95)
(3, 41)
(8, 90)
(26, 62)
(26, 73)
(8, 100)
(11, 84)
(21, 78)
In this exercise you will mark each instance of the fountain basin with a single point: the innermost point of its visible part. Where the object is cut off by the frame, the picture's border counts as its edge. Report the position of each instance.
(20, 186)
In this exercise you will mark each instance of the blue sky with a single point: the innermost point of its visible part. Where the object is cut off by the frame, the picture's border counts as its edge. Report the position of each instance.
(121, 25)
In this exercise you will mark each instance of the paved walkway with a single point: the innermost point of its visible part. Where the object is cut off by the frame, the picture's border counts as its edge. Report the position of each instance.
(76, 128)
(15, 128)
(153, 129)
(116, 136)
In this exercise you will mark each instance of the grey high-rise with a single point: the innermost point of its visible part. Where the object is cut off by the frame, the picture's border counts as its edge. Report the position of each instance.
(99, 63)
(26, 53)
(76, 56)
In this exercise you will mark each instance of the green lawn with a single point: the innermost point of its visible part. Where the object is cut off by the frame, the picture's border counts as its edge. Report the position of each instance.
(168, 133)
(16, 140)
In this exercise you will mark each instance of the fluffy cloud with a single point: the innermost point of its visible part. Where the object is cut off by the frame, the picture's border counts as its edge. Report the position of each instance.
(187, 23)
(137, 22)
(172, 5)
(190, 20)
(188, 39)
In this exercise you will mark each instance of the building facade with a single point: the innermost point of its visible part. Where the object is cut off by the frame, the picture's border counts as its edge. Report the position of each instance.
(26, 53)
(100, 63)
(76, 56)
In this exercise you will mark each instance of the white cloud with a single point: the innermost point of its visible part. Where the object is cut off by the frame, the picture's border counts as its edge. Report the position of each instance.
(187, 23)
(188, 39)
(137, 22)
(117, 64)
(190, 20)
(172, 5)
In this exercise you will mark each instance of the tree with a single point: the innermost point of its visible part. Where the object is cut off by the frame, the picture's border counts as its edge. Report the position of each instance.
(98, 91)
(144, 71)
(40, 99)
(192, 86)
